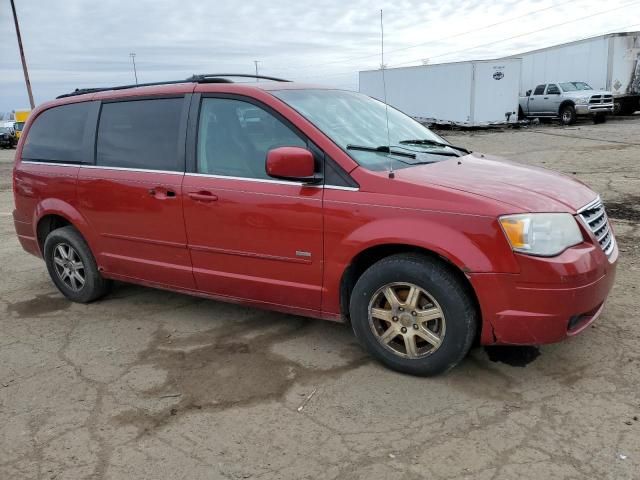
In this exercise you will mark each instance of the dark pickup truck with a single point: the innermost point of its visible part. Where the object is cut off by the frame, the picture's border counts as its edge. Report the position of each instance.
(7, 138)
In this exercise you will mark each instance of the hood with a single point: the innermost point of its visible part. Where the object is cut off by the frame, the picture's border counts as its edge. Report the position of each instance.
(527, 189)
(585, 93)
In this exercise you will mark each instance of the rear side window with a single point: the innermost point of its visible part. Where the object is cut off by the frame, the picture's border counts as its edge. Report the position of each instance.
(539, 90)
(60, 134)
(140, 134)
(553, 89)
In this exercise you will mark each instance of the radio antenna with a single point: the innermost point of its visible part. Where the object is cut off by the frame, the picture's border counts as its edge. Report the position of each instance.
(384, 92)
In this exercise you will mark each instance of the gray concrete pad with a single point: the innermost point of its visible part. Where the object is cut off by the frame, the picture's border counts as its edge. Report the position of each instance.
(147, 384)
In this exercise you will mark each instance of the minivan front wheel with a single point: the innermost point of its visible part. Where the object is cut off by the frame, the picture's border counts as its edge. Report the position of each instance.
(72, 267)
(413, 314)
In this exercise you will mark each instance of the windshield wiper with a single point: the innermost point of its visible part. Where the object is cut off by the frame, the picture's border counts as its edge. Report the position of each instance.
(444, 153)
(434, 144)
(381, 149)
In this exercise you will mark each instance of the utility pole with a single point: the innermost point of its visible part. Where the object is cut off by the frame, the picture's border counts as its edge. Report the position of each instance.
(135, 73)
(256, 64)
(24, 62)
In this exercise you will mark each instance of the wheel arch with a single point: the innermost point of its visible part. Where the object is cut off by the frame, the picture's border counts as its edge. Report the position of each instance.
(51, 214)
(367, 257)
(47, 224)
(564, 104)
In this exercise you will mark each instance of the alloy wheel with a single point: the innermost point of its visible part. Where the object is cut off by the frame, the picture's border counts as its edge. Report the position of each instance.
(69, 266)
(407, 320)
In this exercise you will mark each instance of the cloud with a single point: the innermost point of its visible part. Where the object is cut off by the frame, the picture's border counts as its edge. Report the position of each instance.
(79, 43)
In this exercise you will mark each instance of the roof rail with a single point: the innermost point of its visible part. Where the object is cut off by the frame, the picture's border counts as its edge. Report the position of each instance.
(201, 78)
(215, 77)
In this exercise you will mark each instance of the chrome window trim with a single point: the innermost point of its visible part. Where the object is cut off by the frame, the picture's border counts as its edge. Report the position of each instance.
(249, 179)
(267, 180)
(130, 169)
(101, 167)
(58, 164)
(172, 172)
(339, 187)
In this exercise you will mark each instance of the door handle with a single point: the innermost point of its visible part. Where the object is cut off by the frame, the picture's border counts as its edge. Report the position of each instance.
(203, 196)
(546, 98)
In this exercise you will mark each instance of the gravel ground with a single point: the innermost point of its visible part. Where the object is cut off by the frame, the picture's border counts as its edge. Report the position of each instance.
(150, 384)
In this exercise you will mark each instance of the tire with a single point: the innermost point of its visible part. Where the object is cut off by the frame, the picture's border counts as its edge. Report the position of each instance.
(442, 297)
(599, 118)
(59, 242)
(521, 114)
(617, 107)
(567, 115)
(628, 108)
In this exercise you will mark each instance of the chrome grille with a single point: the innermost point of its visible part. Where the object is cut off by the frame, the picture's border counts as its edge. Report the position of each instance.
(596, 99)
(595, 218)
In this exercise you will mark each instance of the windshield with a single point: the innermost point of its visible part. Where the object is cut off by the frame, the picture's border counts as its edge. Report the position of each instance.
(18, 126)
(573, 86)
(353, 119)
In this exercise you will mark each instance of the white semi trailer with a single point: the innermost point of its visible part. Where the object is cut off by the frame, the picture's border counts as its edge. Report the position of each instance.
(474, 93)
(607, 62)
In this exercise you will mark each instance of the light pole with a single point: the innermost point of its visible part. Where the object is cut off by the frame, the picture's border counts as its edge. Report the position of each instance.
(24, 62)
(133, 60)
(256, 64)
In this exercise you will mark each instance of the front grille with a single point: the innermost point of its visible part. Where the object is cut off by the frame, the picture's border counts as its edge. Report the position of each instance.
(595, 218)
(595, 99)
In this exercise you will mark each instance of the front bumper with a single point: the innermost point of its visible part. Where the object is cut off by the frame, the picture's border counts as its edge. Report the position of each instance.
(549, 300)
(594, 108)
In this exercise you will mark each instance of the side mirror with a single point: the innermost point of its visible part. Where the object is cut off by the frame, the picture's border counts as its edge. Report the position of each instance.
(291, 163)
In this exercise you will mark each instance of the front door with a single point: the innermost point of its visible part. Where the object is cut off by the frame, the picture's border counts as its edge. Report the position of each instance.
(251, 237)
(132, 196)
(536, 101)
(552, 99)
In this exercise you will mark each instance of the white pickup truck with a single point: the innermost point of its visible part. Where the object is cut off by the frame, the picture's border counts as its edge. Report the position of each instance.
(566, 101)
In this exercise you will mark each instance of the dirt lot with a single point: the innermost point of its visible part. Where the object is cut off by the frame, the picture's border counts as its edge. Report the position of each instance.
(149, 384)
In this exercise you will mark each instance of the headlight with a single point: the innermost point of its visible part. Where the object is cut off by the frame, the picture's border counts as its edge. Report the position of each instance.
(544, 234)
(582, 101)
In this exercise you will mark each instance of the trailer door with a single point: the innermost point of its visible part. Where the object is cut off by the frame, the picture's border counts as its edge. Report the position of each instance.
(495, 93)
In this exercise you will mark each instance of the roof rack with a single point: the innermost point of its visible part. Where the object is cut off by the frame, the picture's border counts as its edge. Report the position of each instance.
(199, 78)
(215, 77)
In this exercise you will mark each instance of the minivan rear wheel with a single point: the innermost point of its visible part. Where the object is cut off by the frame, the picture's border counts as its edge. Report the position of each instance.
(413, 314)
(72, 267)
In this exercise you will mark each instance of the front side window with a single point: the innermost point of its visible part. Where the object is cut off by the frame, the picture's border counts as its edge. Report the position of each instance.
(140, 134)
(234, 137)
(59, 134)
(352, 119)
(539, 90)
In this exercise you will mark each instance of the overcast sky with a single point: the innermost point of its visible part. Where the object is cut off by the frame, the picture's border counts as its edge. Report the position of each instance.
(76, 43)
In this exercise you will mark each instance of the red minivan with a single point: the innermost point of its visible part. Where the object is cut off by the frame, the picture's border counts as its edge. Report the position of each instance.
(312, 201)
